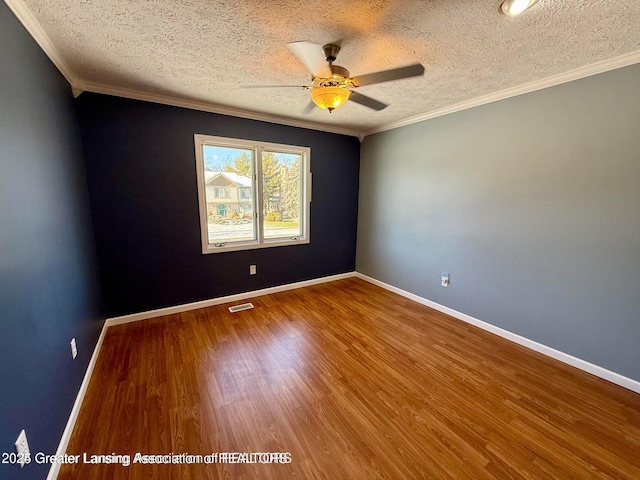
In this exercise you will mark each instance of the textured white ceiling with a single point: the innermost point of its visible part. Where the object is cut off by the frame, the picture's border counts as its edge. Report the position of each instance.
(203, 50)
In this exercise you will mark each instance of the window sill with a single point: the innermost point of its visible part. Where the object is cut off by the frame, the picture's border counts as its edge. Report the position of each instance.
(239, 246)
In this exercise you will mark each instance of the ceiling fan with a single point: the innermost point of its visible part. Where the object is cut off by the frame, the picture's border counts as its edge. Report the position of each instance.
(331, 85)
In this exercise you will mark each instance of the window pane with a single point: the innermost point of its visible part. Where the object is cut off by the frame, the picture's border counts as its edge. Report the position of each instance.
(229, 194)
(282, 194)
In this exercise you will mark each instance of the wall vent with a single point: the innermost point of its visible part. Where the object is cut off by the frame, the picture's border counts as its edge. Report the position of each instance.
(239, 308)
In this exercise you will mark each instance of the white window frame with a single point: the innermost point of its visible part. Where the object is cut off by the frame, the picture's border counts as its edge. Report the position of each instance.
(201, 140)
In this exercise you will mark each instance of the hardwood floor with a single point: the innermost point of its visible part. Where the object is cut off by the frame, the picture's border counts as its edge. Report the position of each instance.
(354, 382)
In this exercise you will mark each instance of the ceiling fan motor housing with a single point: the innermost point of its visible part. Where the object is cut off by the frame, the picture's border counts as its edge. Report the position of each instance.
(339, 78)
(339, 71)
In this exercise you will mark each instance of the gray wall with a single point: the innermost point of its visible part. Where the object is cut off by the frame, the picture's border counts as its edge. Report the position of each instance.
(49, 288)
(532, 204)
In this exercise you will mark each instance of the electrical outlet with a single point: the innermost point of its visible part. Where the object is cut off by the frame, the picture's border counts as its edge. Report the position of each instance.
(444, 280)
(22, 448)
(252, 269)
(74, 348)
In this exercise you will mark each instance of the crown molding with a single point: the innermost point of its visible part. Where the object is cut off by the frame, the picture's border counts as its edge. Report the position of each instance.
(32, 26)
(212, 108)
(576, 74)
(78, 85)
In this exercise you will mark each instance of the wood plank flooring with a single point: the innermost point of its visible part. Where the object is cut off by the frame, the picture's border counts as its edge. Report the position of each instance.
(354, 382)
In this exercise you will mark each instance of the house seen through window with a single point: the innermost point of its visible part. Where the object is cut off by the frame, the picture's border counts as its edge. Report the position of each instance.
(251, 194)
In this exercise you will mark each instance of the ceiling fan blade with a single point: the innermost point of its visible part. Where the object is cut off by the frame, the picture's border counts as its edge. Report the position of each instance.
(311, 56)
(388, 75)
(309, 108)
(367, 101)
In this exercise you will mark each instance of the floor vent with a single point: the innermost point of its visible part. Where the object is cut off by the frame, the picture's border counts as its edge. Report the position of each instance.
(239, 308)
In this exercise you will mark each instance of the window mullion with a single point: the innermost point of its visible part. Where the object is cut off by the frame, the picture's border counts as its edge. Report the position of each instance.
(258, 192)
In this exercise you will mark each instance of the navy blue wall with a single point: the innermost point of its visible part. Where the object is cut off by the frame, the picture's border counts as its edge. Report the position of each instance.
(48, 275)
(141, 174)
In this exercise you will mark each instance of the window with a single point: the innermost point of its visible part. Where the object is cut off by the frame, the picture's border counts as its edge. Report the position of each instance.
(245, 192)
(251, 194)
(220, 192)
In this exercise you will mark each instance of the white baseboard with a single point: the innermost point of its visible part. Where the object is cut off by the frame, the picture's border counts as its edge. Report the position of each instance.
(66, 435)
(608, 375)
(135, 317)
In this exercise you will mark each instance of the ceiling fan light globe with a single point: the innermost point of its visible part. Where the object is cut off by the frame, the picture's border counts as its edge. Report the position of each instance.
(330, 98)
